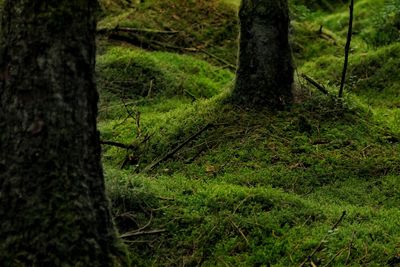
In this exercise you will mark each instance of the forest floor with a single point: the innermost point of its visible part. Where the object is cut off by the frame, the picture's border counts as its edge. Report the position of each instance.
(195, 181)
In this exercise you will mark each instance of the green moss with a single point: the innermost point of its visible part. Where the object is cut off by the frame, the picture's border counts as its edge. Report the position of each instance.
(267, 190)
(377, 28)
(132, 72)
(259, 188)
(320, 4)
(377, 70)
(201, 25)
(308, 43)
(372, 76)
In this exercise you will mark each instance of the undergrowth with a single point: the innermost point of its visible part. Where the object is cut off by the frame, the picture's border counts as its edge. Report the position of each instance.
(205, 183)
(207, 29)
(262, 188)
(130, 72)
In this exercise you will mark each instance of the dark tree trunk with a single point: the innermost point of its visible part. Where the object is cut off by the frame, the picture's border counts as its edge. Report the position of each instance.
(53, 208)
(265, 73)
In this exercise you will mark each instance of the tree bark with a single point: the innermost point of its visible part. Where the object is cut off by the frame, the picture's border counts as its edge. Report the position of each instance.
(53, 208)
(265, 73)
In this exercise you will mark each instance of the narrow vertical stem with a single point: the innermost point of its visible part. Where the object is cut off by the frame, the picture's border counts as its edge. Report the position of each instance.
(347, 48)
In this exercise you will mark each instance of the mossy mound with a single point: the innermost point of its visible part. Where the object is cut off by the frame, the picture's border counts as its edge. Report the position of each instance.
(187, 235)
(309, 41)
(208, 184)
(260, 188)
(377, 28)
(199, 27)
(320, 4)
(130, 72)
(115, 6)
(373, 74)
(378, 70)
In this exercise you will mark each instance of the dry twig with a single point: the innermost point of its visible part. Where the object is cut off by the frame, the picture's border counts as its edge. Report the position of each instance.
(323, 239)
(315, 84)
(240, 231)
(350, 247)
(179, 147)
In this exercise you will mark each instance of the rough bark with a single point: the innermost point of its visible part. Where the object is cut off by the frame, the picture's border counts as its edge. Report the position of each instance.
(265, 73)
(53, 208)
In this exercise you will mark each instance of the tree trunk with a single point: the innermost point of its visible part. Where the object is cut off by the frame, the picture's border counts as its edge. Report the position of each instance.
(264, 76)
(53, 208)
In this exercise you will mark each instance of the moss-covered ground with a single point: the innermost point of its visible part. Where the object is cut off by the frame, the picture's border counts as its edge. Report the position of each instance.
(205, 183)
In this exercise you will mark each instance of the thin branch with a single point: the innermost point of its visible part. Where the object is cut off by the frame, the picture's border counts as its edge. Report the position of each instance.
(339, 221)
(315, 84)
(138, 233)
(350, 247)
(347, 48)
(127, 234)
(326, 35)
(179, 147)
(240, 231)
(334, 257)
(134, 30)
(135, 38)
(192, 96)
(323, 239)
(231, 66)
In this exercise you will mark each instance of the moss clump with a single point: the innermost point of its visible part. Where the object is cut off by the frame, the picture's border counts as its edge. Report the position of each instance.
(308, 42)
(131, 72)
(386, 25)
(319, 4)
(367, 25)
(261, 188)
(377, 70)
(200, 25)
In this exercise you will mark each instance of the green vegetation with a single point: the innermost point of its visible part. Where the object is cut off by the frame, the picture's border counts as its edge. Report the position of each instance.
(254, 188)
(200, 27)
(319, 4)
(132, 72)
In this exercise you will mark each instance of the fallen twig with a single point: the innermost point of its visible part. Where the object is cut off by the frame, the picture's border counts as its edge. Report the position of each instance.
(240, 231)
(135, 38)
(334, 257)
(192, 96)
(323, 239)
(326, 35)
(138, 233)
(339, 221)
(366, 253)
(231, 66)
(179, 147)
(135, 30)
(315, 84)
(128, 234)
(350, 247)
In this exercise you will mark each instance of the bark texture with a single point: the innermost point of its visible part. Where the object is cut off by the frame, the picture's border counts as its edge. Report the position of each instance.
(53, 208)
(265, 73)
